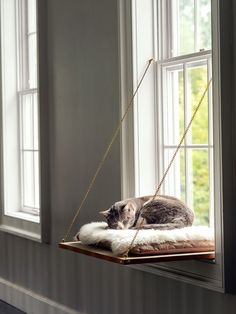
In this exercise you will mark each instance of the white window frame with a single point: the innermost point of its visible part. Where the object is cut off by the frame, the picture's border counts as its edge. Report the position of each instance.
(29, 223)
(25, 89)
(181, 63)
(137, 46)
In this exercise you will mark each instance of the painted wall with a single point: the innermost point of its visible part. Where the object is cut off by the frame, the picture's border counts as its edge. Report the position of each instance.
(83, 107)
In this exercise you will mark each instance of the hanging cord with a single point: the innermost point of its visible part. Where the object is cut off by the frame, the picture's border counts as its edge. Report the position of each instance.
(168, 167)
(100, 165)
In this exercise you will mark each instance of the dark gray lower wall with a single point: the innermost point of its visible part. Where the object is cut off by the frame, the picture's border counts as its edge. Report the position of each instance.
(83, 107)
(8, 309)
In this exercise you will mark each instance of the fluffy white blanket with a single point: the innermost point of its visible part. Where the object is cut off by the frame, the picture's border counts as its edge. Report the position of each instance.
(95, 232)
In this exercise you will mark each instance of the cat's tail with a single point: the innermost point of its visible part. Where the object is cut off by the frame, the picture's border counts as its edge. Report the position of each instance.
(76, 237)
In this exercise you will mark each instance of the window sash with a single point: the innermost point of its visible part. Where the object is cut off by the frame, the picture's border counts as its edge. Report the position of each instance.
(29, 150)
(169, 11)
(165, 68)
(28, 119)
(24, 224)
(17, 122)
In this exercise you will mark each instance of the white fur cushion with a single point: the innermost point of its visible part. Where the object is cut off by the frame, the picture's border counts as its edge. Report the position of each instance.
(97, 232)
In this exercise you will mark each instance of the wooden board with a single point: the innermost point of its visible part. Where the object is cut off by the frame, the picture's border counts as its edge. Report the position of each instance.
(109, 256)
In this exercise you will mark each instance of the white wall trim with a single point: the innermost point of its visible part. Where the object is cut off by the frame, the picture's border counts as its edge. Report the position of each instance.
(30, 302)
(126, 91)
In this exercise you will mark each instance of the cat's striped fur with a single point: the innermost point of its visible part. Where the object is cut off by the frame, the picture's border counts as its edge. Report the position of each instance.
(164, 212)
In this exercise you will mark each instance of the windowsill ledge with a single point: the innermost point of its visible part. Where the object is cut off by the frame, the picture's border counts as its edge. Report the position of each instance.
(22, 233)
(24, 216)
(25, 225)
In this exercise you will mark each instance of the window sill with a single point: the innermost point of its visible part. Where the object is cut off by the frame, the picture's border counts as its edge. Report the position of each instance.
(186, 276)
(24, 216)
(21, 233)
(22, 224)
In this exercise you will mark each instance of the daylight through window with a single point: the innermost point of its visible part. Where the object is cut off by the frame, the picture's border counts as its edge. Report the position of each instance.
(185, 69)
(180, 39)
(20, 106)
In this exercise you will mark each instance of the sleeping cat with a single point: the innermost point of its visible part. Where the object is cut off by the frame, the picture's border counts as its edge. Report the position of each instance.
(163, 213)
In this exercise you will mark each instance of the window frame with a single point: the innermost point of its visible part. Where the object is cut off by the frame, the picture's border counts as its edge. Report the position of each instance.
(23, 224)
(219, 275)
(25, 88)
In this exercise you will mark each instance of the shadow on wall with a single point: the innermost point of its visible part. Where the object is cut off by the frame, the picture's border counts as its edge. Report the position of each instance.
(8, 309)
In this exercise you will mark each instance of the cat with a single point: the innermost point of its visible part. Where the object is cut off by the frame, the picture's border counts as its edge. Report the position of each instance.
(163, 213)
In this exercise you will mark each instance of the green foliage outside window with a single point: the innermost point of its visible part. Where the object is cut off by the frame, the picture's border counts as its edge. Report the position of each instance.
(197, 79)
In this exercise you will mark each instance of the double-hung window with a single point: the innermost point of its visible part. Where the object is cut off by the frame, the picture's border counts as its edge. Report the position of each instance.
(183, 36)
(20, 115)
(28, 106)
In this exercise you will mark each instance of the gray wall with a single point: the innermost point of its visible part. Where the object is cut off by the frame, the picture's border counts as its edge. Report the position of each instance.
(83, 107)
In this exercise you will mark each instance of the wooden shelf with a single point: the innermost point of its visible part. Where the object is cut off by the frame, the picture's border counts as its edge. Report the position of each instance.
(109, 256)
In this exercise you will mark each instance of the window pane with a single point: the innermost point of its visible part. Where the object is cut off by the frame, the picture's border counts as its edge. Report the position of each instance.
(186, 27)
(28, 184)
(32, 52)
(27, 122)
(204, 24)
(174, 183)
(200, 185)
(36, 180)
(191, 26)
(173, 107)
(31, 179)
(32, 16)
(197, 82)
(36, 121)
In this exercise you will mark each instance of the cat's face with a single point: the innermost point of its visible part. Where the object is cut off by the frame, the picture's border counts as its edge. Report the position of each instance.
(121, 215)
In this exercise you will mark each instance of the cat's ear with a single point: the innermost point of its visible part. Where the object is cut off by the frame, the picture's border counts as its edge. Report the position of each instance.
(104, 213)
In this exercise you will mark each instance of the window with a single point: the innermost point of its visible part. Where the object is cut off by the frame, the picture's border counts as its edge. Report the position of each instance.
(20, 114)
(183, 53)
(28, 105)
(183, 37)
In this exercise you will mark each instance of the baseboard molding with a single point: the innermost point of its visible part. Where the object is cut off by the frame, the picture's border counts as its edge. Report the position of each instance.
(30, 302)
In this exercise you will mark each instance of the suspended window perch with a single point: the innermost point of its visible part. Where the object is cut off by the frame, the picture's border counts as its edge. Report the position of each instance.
(123, 260)
(182, 244)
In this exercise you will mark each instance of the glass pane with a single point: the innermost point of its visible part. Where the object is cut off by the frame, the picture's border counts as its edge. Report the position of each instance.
(174, 183)
(197, 82)
(32, 16)
(28, 179)
(36, 178)
(173, 107)
(32, 60)
(204, 24)
(191, 26)
(27, 122)
(36, 121)
(31, 179)
(200, 185)
(185, 27)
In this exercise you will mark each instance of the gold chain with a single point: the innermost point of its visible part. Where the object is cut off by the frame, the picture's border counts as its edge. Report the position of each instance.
(170, 164)
(100, 165)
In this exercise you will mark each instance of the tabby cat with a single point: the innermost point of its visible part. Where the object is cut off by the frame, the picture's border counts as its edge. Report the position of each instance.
(163, 213)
